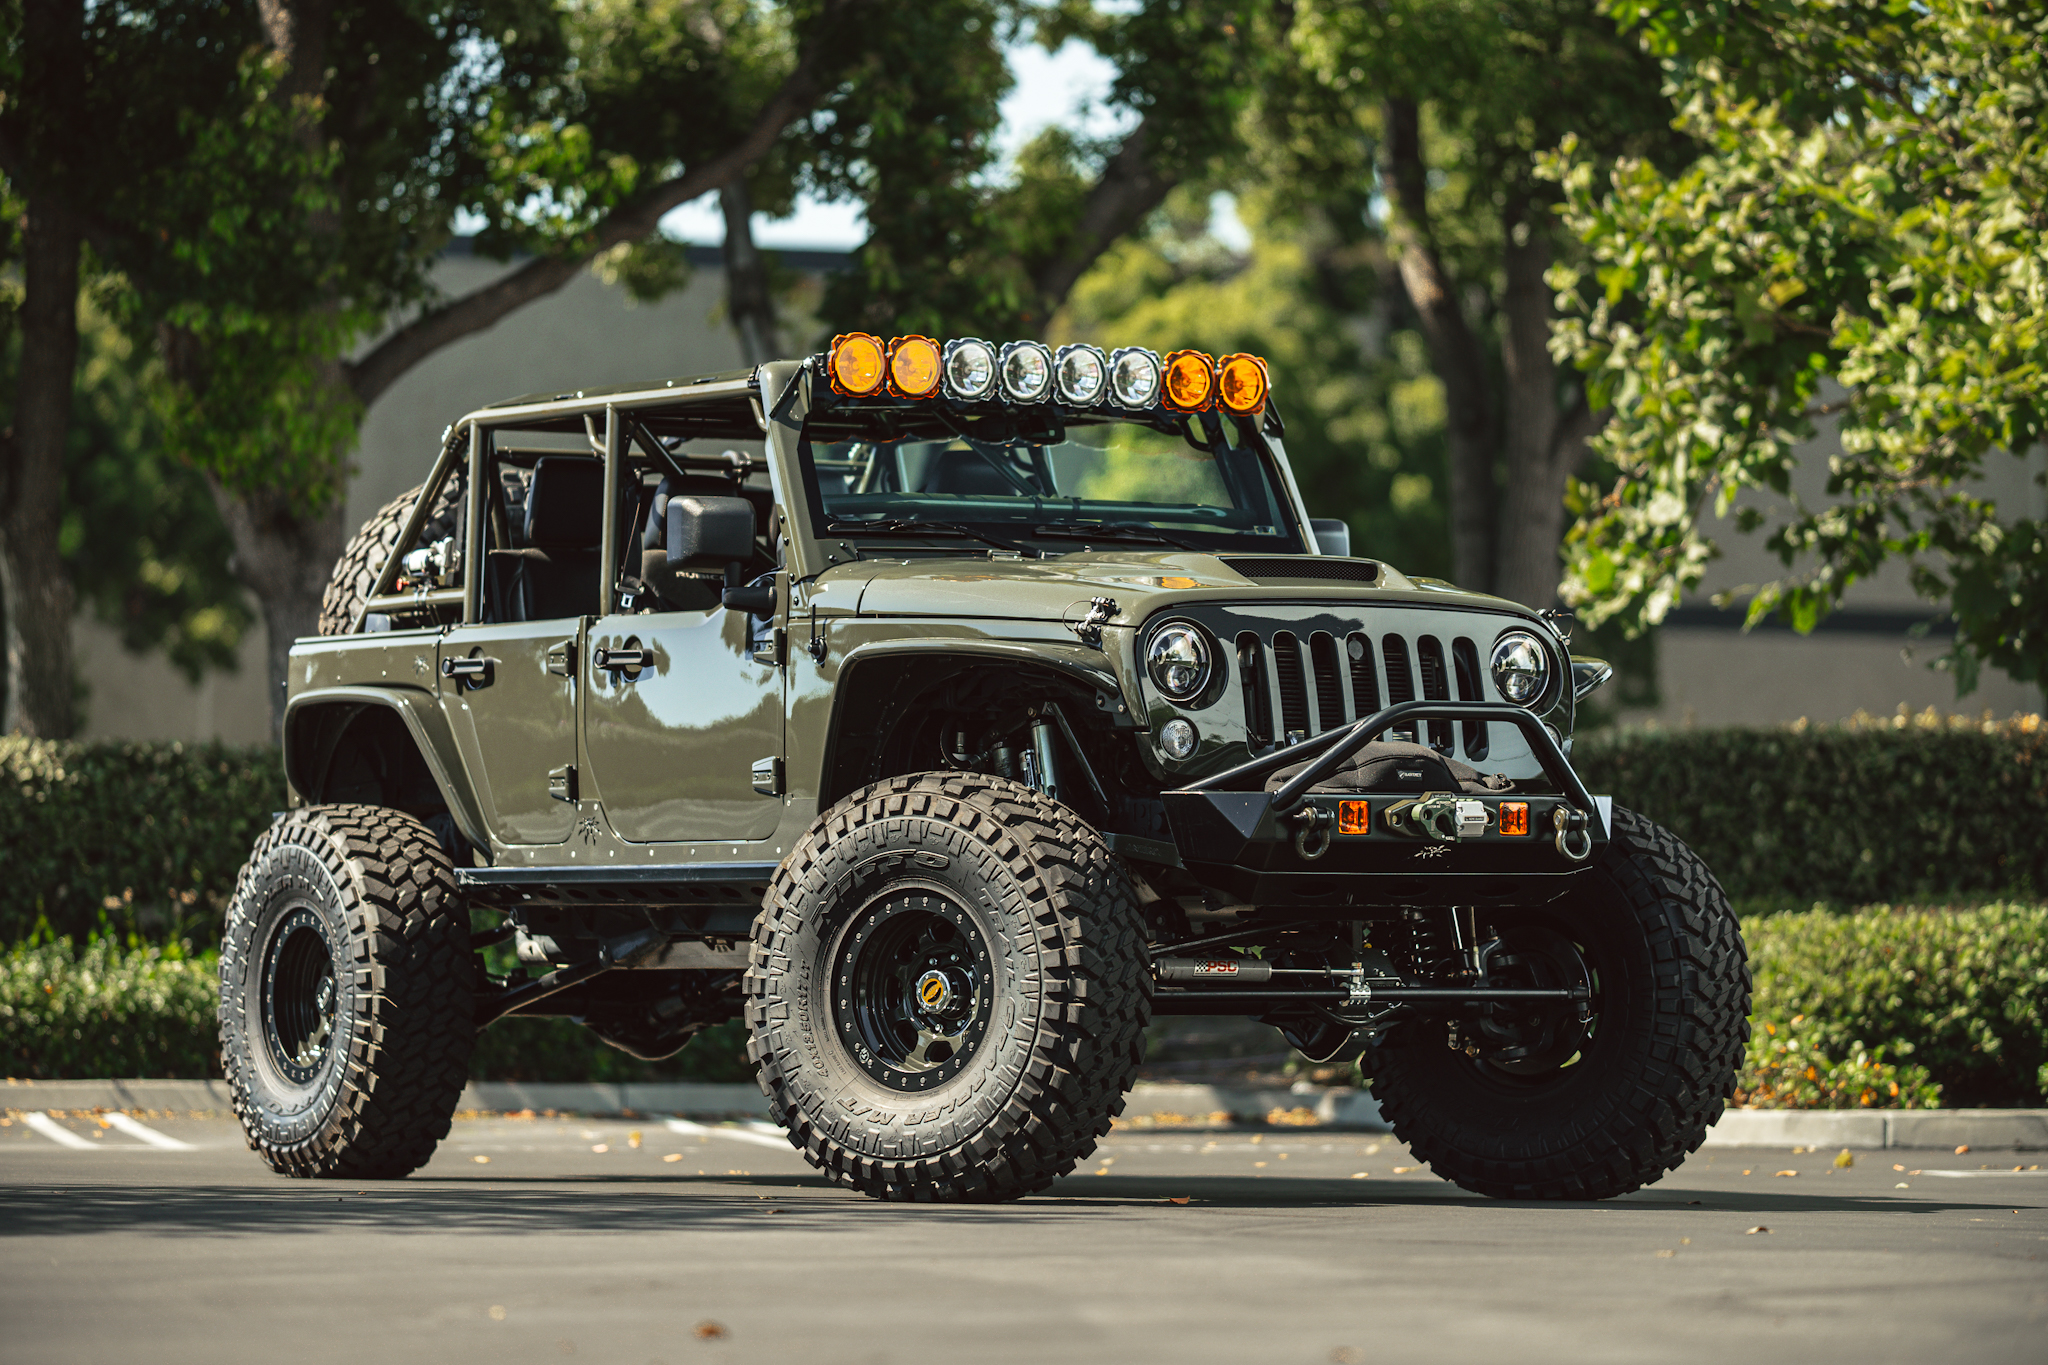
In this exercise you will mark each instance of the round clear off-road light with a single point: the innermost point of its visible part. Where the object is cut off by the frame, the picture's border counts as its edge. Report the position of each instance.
(969, 368)
(1026, 367)
(1134, 377)
(1177, 738)
(1080, 373)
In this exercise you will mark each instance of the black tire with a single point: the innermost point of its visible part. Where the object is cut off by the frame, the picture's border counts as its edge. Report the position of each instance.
(361, 1080)
(1047, 979)
(1653, 1070)
(366, 553)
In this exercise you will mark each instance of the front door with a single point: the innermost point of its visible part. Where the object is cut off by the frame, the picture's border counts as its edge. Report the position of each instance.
(685, 746)
(509, 692)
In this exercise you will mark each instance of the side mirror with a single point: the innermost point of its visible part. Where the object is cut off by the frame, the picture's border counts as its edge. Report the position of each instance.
(706, 534)
(1333, 537)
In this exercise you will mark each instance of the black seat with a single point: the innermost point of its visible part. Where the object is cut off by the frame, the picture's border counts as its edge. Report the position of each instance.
(555, 574)
(677, 590)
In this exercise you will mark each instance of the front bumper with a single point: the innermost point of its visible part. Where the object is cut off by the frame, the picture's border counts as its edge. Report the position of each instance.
(1289, 847)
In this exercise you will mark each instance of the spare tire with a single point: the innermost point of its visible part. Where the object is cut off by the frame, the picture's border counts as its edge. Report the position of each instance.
(355, 573)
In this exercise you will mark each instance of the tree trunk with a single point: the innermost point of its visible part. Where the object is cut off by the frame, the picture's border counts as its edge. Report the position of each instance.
(35, 594)
(1454, 352)
(1543, 445)
(747, 298)
(284, 558)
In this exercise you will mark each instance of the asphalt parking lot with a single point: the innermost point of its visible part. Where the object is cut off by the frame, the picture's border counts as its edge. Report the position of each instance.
(547, 1239)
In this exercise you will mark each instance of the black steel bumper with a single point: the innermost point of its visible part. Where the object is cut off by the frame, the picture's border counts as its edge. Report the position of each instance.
(1288, 847)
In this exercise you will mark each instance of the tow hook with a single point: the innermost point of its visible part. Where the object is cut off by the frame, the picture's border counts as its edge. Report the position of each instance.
(1574, 838)
(1312, 839)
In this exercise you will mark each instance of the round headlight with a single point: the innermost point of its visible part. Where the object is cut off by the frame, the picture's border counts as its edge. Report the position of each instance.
(1521, 668)
(969, 368)
(1177, 737)
(1134, 377)
(1178, 660)
(1078, 373)
(1027, 371)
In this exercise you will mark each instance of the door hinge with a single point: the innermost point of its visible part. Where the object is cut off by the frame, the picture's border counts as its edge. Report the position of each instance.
(772, 648)
(768, 776)
(562, 782)
(562, 659)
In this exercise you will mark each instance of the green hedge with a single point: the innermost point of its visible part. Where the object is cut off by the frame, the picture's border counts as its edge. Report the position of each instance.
(105, 1010)
(127, 838)
(1906, 809)
(1941, 1002)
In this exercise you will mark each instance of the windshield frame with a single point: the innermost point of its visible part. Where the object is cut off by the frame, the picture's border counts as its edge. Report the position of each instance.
(834, 420)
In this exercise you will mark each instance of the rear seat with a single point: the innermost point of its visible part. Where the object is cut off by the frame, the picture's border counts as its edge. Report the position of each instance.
(555, 574)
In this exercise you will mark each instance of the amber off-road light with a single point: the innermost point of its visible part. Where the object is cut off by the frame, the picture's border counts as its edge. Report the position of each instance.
(1514, 817)
(1134, 377)
(1354, 817)
(1190, 382)
(913, 367)
(1080, 373)
(1242, 383)
(969, 368)
(1026, 368)
(858, 365)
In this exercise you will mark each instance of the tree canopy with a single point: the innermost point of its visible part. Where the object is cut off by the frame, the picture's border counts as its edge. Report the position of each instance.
(1865, 241)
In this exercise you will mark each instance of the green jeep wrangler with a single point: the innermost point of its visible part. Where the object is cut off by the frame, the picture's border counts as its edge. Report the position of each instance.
(948, 712)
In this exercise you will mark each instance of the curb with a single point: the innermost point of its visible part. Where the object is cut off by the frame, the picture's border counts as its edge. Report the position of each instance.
(1149, 1105)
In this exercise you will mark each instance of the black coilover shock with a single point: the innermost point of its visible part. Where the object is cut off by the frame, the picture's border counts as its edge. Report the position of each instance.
(1440, 942)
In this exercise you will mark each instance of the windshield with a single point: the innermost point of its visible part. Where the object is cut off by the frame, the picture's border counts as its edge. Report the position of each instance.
(1205, 486)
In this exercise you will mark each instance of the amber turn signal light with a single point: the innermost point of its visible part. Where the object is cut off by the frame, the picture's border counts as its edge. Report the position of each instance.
(1190, 382)
(1514, 817)
(1242, 383)
(913, 367)
(859, 362)
(1354, 817)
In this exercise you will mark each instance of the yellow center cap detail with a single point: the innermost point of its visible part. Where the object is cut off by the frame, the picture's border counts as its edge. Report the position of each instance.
(933, 991)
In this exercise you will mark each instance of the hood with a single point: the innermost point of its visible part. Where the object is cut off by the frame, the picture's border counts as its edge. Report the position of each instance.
(1058, 587)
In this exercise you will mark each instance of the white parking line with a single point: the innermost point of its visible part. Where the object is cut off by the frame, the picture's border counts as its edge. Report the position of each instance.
(144, 1133)
(1966, 1175)
(57, 1132)
(753, 1133)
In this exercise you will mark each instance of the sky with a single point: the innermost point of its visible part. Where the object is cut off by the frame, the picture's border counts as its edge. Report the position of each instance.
(1065, 87)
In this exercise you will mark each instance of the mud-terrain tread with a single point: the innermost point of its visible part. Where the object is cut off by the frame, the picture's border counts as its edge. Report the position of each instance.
(1092, 949)
(1686, 1063)
(409, 1060)
(366, 553)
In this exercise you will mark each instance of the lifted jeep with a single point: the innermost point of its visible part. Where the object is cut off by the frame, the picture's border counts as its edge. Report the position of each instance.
(949, 712)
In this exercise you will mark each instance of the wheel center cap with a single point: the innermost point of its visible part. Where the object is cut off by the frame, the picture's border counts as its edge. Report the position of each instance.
(934, 992)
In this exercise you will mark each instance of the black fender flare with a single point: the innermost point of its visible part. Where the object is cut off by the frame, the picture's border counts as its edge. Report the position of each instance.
(418, 710)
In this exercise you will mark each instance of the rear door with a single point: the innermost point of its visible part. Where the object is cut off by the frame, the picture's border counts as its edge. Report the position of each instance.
(509, 692)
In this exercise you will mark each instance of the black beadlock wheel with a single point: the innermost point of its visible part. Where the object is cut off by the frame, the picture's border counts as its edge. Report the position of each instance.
(347, 994)
(1592, 1110)
(948, 990)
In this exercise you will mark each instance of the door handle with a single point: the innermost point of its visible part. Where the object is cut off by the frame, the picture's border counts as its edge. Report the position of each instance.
(617, 660)
(471, 673)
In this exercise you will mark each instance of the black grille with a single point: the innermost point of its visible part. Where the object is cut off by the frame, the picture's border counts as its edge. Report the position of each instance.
(1276, 681)
(1314, 568)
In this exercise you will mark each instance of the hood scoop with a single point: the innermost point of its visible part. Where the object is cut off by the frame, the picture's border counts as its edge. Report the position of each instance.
(1296, 569)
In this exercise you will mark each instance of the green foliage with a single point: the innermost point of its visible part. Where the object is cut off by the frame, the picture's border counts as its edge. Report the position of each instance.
(1938, 1001)
(1868, 215)
(1867, 811)
(1364, 420)
(127, 838)
(106, 1011)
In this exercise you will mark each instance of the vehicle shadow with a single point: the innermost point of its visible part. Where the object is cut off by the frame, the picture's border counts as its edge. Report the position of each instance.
(671, 1203)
